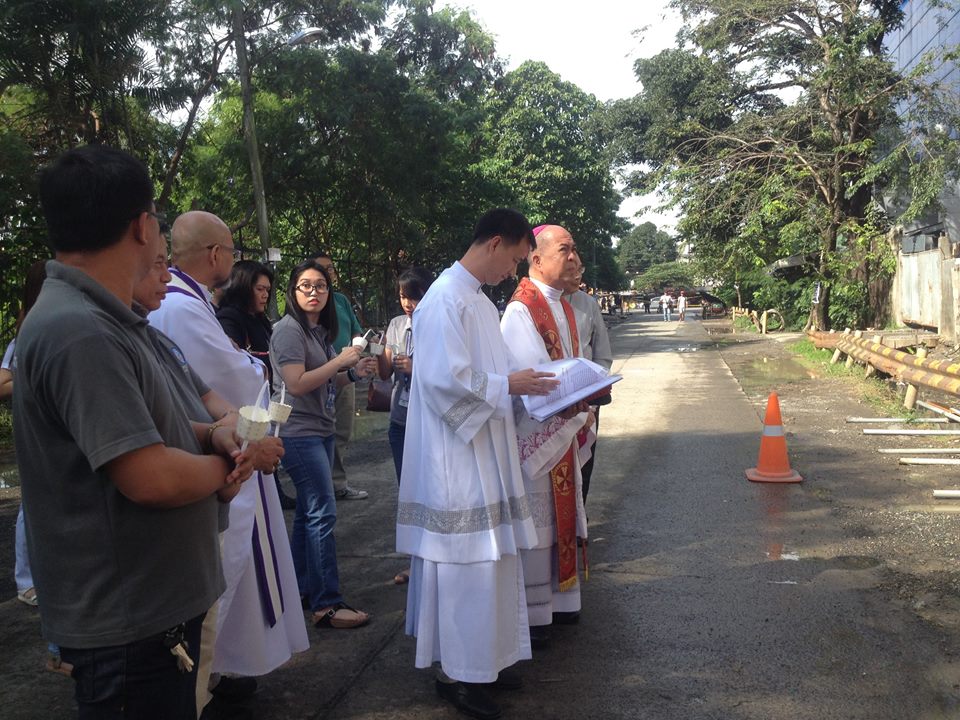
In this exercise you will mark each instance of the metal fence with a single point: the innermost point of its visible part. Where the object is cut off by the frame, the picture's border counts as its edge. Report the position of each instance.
(928, 291)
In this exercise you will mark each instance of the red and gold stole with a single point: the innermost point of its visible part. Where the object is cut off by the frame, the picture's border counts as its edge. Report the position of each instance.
(562, 475)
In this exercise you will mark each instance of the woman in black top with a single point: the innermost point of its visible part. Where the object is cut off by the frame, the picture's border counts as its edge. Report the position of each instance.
(242, 311)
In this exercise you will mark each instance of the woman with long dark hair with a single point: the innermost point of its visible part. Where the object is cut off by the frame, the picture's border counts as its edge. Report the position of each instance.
(242, 313)
(243, 307)
(304, 360)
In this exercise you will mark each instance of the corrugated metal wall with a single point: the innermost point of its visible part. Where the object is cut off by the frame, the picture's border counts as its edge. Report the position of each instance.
(920, 288)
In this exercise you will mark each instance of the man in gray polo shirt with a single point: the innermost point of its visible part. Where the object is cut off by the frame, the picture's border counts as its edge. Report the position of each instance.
(120, 506)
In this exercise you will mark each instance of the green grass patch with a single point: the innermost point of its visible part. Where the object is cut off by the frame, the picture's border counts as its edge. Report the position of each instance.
(6, 429)
(742, 323)
(877, 393)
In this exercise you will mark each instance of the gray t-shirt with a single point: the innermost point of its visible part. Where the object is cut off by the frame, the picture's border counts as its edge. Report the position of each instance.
(189, 388)
(400, 335)
(89, 389)
(291, 344)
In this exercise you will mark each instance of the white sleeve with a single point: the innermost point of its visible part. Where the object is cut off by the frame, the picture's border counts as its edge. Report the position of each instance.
(7, 363)
(462, 395)
(522, 337)
(233, 374)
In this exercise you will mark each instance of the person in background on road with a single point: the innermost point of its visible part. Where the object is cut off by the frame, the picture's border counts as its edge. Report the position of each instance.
(106, 450)
(539, 326)
(682, 305)
(646, 304)
(666, 301)
(594, 345)
(243, 317)
(397, 360)
(253, 631)
(36, 274)
(303, 358)
(349, 328)
(463, 514)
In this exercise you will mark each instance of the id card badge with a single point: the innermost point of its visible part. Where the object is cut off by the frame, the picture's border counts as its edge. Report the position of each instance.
(331, 398)
(404, 398)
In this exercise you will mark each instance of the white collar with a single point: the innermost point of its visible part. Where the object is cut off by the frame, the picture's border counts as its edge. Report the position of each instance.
(550, 293)
(465, 276)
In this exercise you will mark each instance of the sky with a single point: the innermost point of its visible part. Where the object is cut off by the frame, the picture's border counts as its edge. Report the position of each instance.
(592, 44)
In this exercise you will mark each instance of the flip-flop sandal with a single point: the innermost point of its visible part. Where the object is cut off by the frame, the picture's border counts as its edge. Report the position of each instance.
(401, 578)
(340, 617)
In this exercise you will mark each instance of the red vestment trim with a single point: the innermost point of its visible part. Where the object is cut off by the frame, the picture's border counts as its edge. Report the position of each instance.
(562, 476)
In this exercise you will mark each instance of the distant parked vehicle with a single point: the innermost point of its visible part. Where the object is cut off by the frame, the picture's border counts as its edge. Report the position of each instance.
(713, 307)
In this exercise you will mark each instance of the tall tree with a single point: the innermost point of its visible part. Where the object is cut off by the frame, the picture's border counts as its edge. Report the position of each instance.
(745, 166)
(540, 142)
(644, 246)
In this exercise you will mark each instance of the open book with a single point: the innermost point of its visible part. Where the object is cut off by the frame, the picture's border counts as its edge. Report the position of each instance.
(579, 379)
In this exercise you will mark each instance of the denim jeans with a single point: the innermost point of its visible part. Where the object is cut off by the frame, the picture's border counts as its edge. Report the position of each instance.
(395, 435)
(308, 461)
(138, 681)
(21, 570)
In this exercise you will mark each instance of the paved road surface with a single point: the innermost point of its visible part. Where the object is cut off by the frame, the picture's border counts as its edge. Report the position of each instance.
(709, 596)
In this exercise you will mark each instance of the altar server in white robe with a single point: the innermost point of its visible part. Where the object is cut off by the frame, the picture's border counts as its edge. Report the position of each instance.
(259, 621)
(539, 326)
(463, 515)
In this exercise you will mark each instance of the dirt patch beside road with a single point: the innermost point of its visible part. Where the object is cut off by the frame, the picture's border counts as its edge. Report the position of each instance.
(887, 511)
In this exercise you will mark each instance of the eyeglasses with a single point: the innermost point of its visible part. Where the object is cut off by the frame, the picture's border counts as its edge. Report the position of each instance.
(308, 288)
(237, 252)
(161, 220)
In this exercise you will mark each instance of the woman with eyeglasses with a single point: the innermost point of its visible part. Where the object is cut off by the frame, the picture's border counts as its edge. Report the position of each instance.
(303, 358)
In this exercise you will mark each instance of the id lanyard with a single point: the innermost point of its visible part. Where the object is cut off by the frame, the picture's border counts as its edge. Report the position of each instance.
(408, 350)
(332, 382)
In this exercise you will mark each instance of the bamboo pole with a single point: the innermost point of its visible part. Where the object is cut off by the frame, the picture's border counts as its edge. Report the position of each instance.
(910, 398)
(948, 413)
(897, 420)
(920, 451)
(901, 431)
(857, 335)
(947, 494)
(928, 461)
(871, 369)
(838, 352)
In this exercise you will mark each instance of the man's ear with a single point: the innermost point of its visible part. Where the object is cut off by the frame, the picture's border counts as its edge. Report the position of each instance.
(495, 242)
(139, 228)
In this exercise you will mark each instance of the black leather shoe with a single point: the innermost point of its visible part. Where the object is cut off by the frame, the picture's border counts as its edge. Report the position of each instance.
(470, 699)
(539, 636)
(507, 680)
(566, 618)
(235, 688)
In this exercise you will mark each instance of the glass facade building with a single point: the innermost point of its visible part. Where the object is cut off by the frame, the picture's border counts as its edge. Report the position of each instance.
(927, 29)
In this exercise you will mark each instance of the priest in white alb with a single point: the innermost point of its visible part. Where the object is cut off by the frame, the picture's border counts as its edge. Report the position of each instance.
(259, 622)
(463, 515)
(539, 326)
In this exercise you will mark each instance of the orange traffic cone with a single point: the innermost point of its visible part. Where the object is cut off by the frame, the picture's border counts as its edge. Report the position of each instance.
(773, 466)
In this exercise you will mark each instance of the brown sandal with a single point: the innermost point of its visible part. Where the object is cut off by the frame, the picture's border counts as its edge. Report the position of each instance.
(340, 617)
